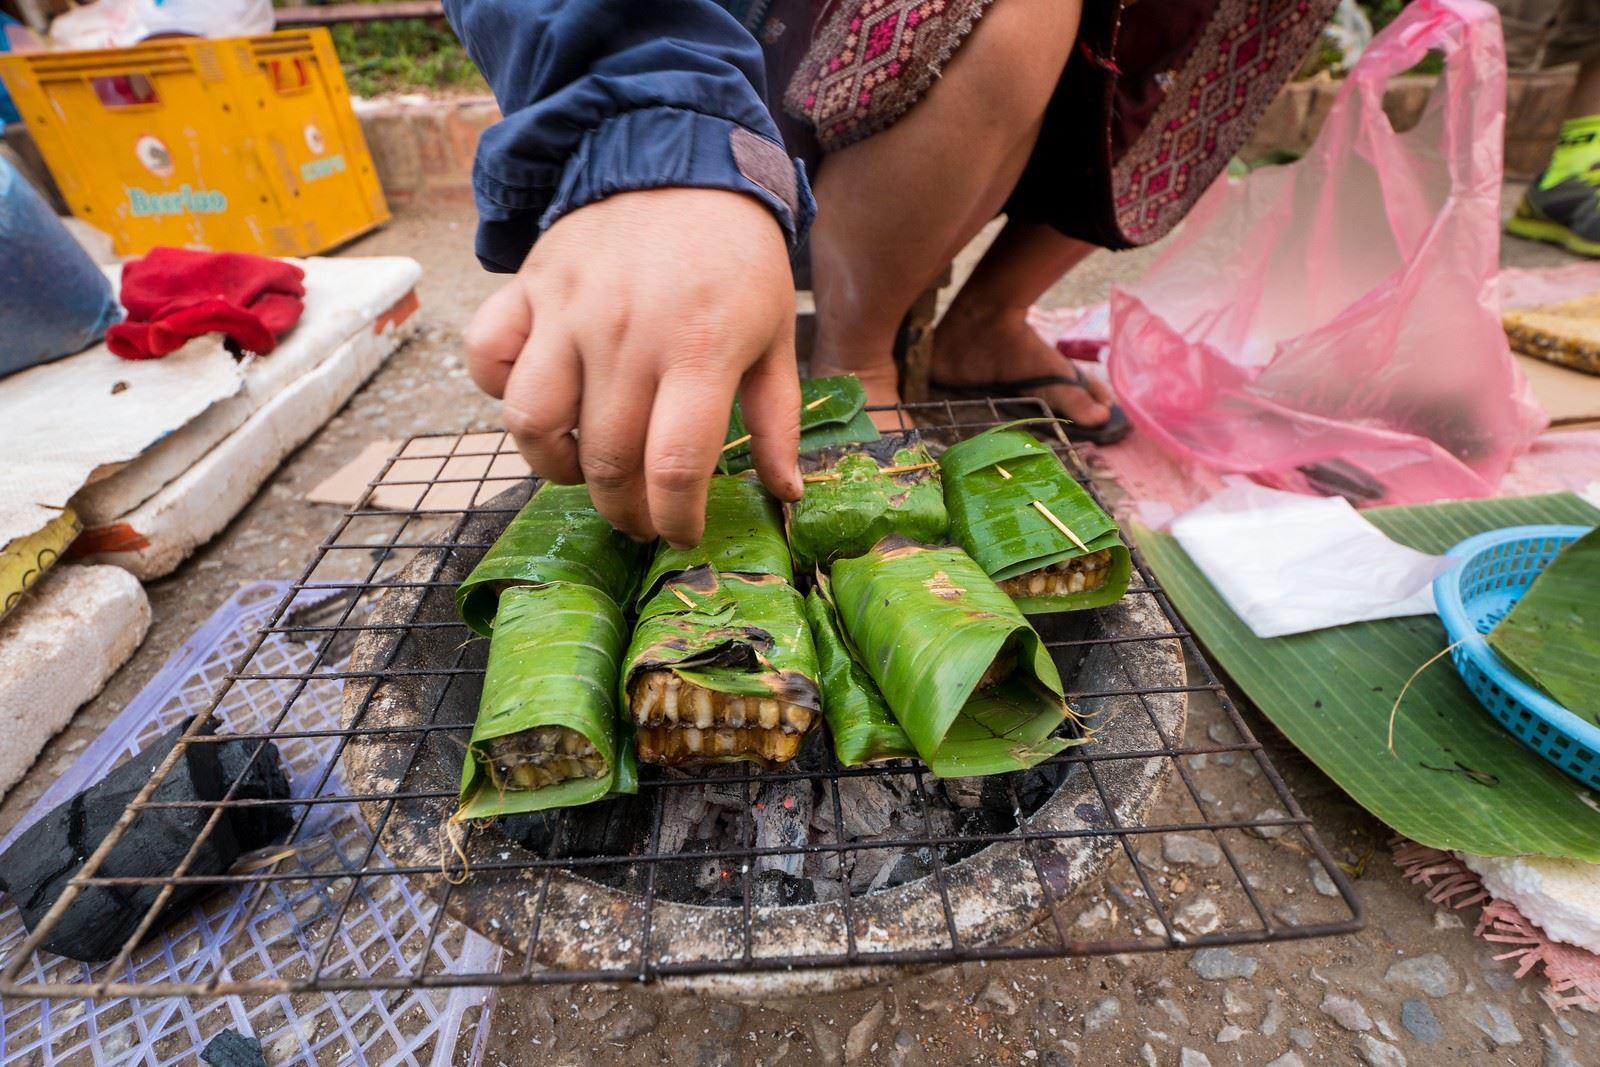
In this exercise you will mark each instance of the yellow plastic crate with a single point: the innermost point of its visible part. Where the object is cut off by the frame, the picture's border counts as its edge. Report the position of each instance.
(240, 144)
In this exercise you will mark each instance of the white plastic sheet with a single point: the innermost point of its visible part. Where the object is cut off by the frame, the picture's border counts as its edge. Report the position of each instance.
(1289, 564)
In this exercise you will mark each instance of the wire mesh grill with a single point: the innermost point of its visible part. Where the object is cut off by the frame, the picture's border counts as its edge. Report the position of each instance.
(577, 905)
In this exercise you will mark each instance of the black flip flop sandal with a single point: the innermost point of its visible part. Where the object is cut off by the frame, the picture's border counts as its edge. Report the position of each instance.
(1114, 429)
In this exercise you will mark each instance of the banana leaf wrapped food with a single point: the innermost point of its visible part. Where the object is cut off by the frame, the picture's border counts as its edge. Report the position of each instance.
(548, 734)
(1030, 525)
(558, 536)
(833, 411)
(967, 678)
(856, 495)
(743, 535)
(863, 728)
(721, 668)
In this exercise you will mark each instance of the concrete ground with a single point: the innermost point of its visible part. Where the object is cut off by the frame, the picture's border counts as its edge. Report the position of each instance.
(1337, 1000)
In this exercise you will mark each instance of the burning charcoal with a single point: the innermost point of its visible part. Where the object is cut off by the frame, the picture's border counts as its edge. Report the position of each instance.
(612, 827)
(783, 820)
(37, 867)
(774, 887)
(868, 804)
(909, 867)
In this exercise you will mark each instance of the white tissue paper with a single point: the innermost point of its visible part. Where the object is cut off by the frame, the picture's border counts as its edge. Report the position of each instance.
(1289, 564)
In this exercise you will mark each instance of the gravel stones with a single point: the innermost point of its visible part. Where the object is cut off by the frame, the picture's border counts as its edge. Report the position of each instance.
(1419, 1021)
(1375, 1053)
(859, 1041)
(1288, 1059)
(1191, 1058)
(1104, 1010)
(1321, 880)
(635, 1022)
(1189, 850)
(1220, 964)
(1347, 1012)
(1198, 916)
(997, 998)
(1431, 975)
(1496, 1022)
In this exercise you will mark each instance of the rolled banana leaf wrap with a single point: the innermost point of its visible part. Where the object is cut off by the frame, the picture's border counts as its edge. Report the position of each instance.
(966, 677)
(864, 729)
(998, 487)
(558, 536)
(743, 535)
(721, 668)
(856, 495)
(548, 733)
(833, 411)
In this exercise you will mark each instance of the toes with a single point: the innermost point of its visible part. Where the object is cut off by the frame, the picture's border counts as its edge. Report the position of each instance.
(1080, 406)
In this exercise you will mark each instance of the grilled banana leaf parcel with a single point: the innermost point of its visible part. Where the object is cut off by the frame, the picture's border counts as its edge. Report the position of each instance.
(558, 536)
(548, 734)
(864, 729)
(833, 411)
(967, 678)
(856, 495)
(743, 535)
(721, 669)
(1030, 525)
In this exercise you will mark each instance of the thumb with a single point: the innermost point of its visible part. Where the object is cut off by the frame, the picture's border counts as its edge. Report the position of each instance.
(770, 396)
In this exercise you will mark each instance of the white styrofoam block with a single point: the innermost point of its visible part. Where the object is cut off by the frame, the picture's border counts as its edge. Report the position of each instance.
(1559, 896)
(343, 297)
(58, 648)
(155, 537)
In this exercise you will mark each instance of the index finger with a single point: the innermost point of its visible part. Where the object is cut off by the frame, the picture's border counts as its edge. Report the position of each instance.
(687, 428)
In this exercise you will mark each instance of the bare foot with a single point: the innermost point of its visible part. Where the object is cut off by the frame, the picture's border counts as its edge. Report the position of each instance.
(974, 350)
(881, 380)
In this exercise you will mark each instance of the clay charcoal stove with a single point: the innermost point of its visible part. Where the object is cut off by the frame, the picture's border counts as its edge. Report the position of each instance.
(751, 880)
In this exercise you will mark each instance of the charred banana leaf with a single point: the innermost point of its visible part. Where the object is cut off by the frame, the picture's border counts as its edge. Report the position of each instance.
(548, 733)
(558, 536)
(833, 411)
(859, 494)
(721, 668)
(1030, 525)
(863, 728)
(744, 535)
(967, 678)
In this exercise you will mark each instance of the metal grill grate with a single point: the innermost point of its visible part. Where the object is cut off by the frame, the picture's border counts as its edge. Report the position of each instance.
(382, 581)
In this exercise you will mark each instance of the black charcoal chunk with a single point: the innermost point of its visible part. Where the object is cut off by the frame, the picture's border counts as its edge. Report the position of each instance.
(232, 1049)
(36, 868)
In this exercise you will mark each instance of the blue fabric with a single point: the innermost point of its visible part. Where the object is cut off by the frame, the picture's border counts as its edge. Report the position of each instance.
(609, 96)
(53, 300)
(8, 109)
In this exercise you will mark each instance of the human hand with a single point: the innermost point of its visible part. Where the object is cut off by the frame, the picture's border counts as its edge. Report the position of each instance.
(634, 321)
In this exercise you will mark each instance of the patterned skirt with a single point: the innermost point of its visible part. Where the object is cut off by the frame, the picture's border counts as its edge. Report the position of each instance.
(1157, 96)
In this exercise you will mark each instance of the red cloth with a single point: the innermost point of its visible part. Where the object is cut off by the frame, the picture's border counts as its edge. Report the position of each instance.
(174, 294)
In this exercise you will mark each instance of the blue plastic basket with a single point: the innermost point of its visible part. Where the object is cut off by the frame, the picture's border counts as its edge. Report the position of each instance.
(1490, 572)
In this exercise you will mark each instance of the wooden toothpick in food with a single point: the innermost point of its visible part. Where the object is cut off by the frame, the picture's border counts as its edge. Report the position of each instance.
(1002, 472)
(1058, 524)
(817, 403)
(680, 595)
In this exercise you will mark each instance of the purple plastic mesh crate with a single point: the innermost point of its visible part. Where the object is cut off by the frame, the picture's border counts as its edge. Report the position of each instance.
(267, 928)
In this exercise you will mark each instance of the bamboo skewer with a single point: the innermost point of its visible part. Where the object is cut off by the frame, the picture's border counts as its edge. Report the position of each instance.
(1058, 524)
(737, 441)
(1002, 472)
(904, 468)
(680, 595)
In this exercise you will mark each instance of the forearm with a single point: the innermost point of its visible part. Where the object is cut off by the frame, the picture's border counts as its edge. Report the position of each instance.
(602, 96)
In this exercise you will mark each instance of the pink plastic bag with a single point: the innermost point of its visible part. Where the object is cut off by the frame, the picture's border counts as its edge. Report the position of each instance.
(1333, 325)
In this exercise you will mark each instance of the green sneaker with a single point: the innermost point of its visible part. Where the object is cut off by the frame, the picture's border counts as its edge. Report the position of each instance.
(1566, 214)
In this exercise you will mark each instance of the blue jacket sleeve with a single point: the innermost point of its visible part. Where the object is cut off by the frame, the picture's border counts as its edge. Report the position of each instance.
(609, 96)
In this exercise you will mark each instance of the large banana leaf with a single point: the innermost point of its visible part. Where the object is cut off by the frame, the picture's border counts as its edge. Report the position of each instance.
(1552, 634)
(856, 495)
(1456, 779)
(744, 535)
(552, 662)
(558, 536)
(995, 517)
(863, 728)
(832, 412)
(730, 633)
(928, 623)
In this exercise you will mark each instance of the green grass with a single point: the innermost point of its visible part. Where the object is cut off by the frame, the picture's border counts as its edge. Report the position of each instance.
(404, 56)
